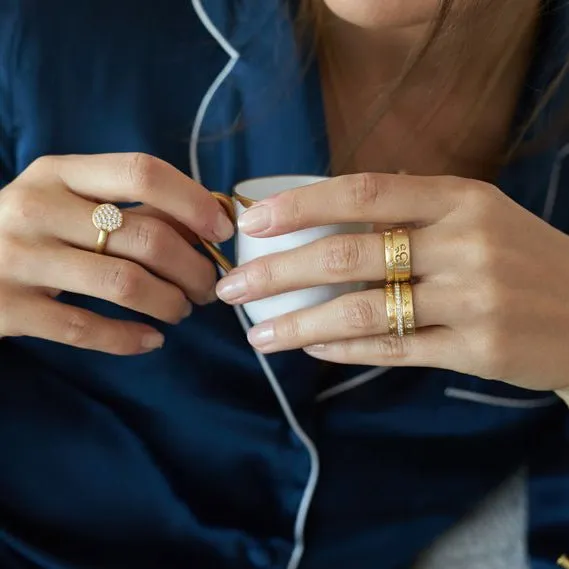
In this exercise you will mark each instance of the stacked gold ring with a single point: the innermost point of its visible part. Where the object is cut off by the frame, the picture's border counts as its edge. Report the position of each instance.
(397, 255)
(398, 274)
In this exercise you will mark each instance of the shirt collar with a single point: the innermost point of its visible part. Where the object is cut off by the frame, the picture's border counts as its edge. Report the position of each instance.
(276, 102)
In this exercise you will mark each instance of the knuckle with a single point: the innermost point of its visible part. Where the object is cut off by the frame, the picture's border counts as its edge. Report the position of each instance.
(77, 329)
(342, 255)
(124, 281)
(296, 209)
(469, 303)
(23, 203)
(364, 191)
(261, 273)
(482, 251)
(391, 347)
(491, 302)
(474, 197)
(42, 164)
(141, 172)
(151, 239)
(290, 327)
(359, 313)
(490, 353)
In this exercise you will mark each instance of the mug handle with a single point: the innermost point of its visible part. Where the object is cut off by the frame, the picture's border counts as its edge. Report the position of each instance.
(227, 204)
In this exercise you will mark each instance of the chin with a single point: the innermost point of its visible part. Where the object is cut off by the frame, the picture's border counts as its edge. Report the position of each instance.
(376, 14)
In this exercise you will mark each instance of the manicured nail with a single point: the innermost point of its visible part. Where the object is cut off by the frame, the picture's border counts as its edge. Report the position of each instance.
(152, 341)
(232, 287)
(316, 349)
(255, 219)
(223, 229)
(262, 336)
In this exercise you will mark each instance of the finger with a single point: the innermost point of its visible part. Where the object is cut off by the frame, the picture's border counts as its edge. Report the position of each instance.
(115, 280)
(356, 315)
(336, 259)
(378, 198)
(430, 347)
(135, 177)
(41, 317)
(142, 239)
(180, 228)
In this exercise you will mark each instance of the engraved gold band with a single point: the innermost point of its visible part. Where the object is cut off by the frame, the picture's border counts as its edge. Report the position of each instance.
(397, 255)
(563, 562)
(391, 309)
(408, 309)
(399, 308)
(389, 260)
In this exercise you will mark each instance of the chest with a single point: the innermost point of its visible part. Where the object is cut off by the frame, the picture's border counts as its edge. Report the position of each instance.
(423, 131)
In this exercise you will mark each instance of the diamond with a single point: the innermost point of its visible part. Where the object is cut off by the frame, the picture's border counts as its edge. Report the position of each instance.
(107, 217)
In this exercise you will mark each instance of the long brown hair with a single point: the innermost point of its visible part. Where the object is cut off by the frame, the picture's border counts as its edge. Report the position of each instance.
(450, 18)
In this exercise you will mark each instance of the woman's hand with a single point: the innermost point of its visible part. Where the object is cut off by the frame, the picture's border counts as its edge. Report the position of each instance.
(47, 240)
(492, 291)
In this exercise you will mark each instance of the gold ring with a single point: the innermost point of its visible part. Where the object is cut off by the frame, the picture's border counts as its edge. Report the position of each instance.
(391, 309)
(399, 308)
(407, 308)
(397, 255)
(389, 260)
(106, 218)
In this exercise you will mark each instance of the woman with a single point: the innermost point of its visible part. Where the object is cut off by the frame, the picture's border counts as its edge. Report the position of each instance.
(139, 429)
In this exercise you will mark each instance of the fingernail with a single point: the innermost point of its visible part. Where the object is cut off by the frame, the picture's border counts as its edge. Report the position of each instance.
(211, 296)
(255, 219)
(187, 310)
(232, 287)
(223, 229)
(262, 335)
(152, 341)
(316, 349)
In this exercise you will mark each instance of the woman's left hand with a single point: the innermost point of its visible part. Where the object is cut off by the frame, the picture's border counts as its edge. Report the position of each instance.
(492, 291)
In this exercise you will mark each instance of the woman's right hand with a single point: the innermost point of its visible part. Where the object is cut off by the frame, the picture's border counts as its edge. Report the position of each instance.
(47, 240)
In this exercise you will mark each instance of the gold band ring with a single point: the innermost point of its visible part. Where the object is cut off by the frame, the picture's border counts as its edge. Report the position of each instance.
(391, 309)
(397, 255)
(407, 309)
(399, 308)
(106, 218)
(389, 260)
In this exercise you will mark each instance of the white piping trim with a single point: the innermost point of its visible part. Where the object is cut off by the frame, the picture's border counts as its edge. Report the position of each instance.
(207, 98)
(493, 400)
(304, 506)
(351, 383)
(554, 182)
(304, 438)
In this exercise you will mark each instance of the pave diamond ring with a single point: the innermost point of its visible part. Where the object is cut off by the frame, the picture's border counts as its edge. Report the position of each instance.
(106, 218)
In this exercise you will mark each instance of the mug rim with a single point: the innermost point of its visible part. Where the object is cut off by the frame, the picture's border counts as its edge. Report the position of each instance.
(248, 202)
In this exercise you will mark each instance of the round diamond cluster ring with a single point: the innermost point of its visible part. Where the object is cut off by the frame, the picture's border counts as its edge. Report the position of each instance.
(107, 217)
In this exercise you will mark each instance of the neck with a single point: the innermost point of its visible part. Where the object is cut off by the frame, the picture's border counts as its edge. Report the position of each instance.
(380, 55)
(458, 97)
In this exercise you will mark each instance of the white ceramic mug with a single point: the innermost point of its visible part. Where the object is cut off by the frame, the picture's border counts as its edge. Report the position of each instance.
(246, 194)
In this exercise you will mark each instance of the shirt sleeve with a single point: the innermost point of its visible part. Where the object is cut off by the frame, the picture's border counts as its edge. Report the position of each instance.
(8, 20)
